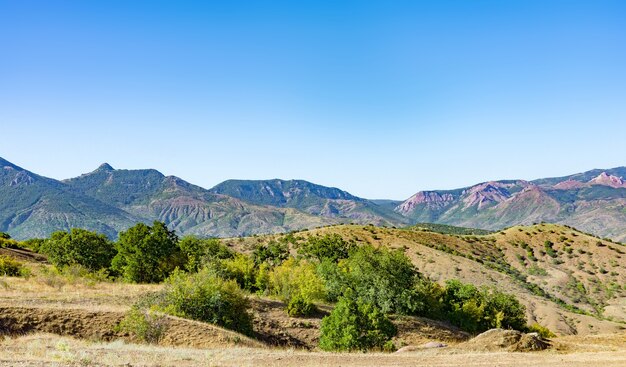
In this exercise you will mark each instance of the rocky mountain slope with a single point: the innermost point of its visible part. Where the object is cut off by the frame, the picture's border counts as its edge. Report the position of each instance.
(187, 208)
(594, 201)
(34, 206)
(109, 200)
(309, 198)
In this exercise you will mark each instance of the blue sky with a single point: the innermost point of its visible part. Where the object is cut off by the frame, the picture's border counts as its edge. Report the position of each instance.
(380, 98)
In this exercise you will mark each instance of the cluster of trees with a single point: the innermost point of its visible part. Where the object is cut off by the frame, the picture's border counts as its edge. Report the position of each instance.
(207, 281)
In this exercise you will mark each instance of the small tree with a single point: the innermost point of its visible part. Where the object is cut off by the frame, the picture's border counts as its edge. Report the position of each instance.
(79, 247)
(355, 325)
(383, 277)
(147, 254)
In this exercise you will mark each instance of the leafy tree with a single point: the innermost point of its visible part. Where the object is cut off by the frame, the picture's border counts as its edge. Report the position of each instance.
(147, 254)
(274, 253)
(330, 247)
(199, 251)
(79, 246)
(5, 236)
(355, 325)
(383, 277)
(335, 280)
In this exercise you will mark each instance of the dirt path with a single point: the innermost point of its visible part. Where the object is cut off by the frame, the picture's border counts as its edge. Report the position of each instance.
(45, 350)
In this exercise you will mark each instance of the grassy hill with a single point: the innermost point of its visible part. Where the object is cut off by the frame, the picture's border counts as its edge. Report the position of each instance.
(575, 287)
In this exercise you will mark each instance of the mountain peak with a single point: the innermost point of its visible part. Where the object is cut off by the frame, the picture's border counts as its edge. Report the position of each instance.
(608, 180)
(105, 167)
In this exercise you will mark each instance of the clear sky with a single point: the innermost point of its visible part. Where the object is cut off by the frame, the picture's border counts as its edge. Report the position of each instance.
(379, 98)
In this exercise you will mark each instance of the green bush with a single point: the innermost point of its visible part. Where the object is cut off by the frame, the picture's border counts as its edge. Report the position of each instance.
(543, 331)
(475, 310)
(78, 247)
(334, 279)
(296, 279)
(147, 254)
(300, 307)
(33, 244)
(274, 253)
(380, 276)
(204, 296)
(240, 268)
(199, 251)
(355, 325)
(330, 247)
(11, 268)
(144, 325)
(7, 242)
(548, 245)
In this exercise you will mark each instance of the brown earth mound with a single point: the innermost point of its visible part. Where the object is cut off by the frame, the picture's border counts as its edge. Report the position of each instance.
(506, 340)
(23, 255)
(100, 325)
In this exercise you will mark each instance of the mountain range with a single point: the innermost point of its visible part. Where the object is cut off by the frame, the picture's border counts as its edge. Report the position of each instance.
(593, 201)
(110, 200)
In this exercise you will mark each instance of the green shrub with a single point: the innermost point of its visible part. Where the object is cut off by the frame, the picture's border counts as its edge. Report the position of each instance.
(334, 279)
(33, 244)
(7, 242)
(240, 268)
(548, 245)
(536, 270)
(330, 247)
(79, 247)
(474, 310)
(199, 251)
(204, 296)
(383, 277)
(293, 279)
(355, 325)
(144, 325)
(12, 268)
(273, 254)
(300, 307)
(543, 331)
(147, 254)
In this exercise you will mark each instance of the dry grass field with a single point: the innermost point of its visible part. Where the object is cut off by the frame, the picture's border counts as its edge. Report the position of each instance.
(47, 349)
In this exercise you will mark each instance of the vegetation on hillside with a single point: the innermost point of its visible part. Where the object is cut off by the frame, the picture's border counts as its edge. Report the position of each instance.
(377, 273)
(448, 229)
